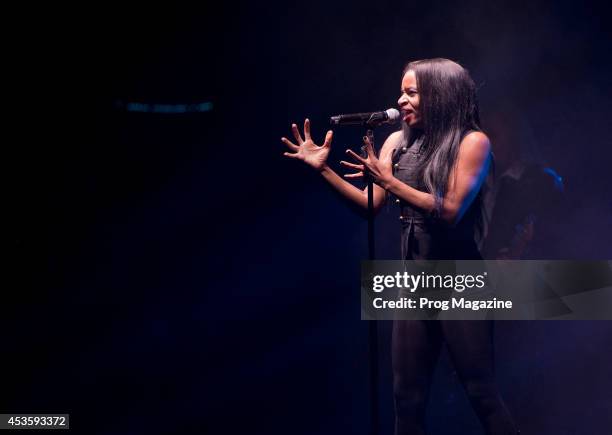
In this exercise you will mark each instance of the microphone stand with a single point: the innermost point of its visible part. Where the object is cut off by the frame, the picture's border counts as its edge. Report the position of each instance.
(374, 121)
(372, 324)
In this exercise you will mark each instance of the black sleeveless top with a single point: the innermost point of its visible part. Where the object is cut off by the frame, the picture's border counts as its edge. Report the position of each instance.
(425, 237)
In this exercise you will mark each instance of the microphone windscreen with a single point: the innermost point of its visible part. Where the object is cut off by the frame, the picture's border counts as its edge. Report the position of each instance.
(393, 115)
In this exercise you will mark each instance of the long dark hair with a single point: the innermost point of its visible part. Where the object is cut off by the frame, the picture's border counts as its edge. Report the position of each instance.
(448, 108)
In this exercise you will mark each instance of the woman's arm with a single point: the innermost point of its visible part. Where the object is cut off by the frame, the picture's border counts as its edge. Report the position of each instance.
(464, 181)
(352, 193)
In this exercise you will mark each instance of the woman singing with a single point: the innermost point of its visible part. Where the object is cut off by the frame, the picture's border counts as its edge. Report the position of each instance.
(435, 167)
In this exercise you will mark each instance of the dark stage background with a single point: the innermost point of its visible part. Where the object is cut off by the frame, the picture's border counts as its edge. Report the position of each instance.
(175, 274)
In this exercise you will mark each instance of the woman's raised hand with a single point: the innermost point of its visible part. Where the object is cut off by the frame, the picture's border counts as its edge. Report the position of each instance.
(306, 150)
(379, 170)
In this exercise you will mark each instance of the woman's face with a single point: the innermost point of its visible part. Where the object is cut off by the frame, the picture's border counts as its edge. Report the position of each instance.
(409, 100)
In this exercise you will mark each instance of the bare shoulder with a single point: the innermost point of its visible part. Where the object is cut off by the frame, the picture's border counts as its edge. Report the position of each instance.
(475, 145)
(391, 143)
(476, 140)
(394, 138)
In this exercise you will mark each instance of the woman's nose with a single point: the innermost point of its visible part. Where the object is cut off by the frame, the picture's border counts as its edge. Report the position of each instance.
(401, 101)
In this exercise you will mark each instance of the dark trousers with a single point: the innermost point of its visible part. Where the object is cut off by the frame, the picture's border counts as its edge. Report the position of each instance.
(415, 349)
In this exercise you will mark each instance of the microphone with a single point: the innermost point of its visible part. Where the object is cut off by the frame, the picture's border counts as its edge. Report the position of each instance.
(370, 119)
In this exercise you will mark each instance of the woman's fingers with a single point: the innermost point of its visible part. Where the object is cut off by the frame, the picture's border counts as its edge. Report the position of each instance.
(291, 145)
(307, 129)
(355, 175)
(292, 155)
(328, 139)
(351, 165)
(359, 168)
(296, 134)
(369, 147)
(355, 156)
